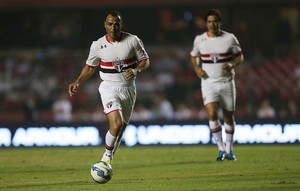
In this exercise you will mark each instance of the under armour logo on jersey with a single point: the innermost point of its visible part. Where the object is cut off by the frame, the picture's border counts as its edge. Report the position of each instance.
(109, 104)
(118, 65)
(104, 46)
(214, 57)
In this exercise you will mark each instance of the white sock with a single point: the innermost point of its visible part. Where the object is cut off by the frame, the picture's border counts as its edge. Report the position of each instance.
(216, 129)
(109, 143)
(229, 129)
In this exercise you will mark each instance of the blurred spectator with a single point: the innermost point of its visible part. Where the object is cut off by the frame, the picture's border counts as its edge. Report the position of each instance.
(141, 113)
(265, 110)
(202, 114)
(182, 112)
(199, 25)
(36, 75)
(282, 113)
(97, 114)
(292, 108)
(163, 107)
(173, 26)
(30, 109)
(249, 111)
(62, 109)
(41, 51)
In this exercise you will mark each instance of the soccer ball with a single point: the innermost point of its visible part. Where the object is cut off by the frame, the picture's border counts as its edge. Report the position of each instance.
(101, 172)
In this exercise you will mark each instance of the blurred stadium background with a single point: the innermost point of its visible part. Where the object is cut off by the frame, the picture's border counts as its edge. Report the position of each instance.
(44, 45)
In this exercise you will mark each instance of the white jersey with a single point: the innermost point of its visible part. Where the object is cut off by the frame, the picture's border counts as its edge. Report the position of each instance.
(214, 52)
(114, 57)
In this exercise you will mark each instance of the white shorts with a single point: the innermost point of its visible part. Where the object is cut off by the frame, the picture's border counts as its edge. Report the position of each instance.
(223, 92)
(117, 96)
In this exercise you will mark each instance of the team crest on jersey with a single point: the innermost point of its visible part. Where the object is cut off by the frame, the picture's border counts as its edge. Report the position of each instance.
(118, 65)
(109, 105)
(214, 57)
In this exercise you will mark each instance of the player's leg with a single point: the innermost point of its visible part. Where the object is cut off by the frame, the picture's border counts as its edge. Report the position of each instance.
(115, 120)
(112, 109)
(229, 125)
(228, 97)
(210, 96)
(216, 128)
(127, 102)
(119, 139)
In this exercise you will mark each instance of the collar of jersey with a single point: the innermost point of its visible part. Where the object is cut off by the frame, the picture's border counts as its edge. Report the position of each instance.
(107, 39)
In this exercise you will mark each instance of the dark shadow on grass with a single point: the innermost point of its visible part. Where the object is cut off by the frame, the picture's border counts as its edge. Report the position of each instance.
(29, 185)
(172, 163)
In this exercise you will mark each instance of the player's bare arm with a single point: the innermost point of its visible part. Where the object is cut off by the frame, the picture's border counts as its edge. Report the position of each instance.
(86, 73)
(198, 70)
(132, 72)
(237, 60)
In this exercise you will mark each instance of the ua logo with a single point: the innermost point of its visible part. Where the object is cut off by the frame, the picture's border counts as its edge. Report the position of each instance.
(214, 57)
(118, 65)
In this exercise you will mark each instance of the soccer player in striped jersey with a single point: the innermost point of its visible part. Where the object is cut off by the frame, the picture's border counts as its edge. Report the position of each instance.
(120, 56)
(214, 56)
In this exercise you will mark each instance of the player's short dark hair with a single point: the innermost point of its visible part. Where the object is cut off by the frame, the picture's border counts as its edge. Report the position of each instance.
(114, 13)
(213, 12)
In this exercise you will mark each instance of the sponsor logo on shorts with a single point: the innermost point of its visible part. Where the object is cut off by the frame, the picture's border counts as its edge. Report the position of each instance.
(109, 104)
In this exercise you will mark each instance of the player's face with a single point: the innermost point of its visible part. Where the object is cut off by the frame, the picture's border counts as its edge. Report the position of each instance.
(213, 24)
(113, 27)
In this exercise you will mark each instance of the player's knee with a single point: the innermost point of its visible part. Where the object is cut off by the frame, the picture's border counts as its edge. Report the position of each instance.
(116, 126)
(212, 115)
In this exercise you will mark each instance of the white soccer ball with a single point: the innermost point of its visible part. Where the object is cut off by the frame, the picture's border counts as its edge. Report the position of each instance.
(101, 172)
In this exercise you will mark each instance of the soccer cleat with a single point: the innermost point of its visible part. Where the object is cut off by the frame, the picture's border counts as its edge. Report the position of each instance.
(231, 156)
(221, 156)
(107, 158)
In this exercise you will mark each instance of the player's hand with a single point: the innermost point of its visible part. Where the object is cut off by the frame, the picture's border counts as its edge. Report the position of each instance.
(201, 73)
(73, 88)
(228, 66)
(130, 73)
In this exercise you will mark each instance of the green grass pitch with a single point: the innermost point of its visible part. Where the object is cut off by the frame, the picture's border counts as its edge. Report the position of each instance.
(152, 168)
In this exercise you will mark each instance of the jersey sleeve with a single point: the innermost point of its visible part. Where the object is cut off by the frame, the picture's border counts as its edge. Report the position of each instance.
(140, 51)
(236, 48)
(195, 51)
(92, 59)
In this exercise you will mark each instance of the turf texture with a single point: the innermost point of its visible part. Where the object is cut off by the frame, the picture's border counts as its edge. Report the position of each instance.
(152, 168)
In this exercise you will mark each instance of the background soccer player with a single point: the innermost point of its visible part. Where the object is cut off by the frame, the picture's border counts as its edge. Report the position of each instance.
(219, 53)
(120, 56)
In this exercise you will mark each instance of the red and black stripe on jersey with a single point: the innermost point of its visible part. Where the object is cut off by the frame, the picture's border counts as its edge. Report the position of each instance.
(221, 58)
(108, 67)
(106, 70)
